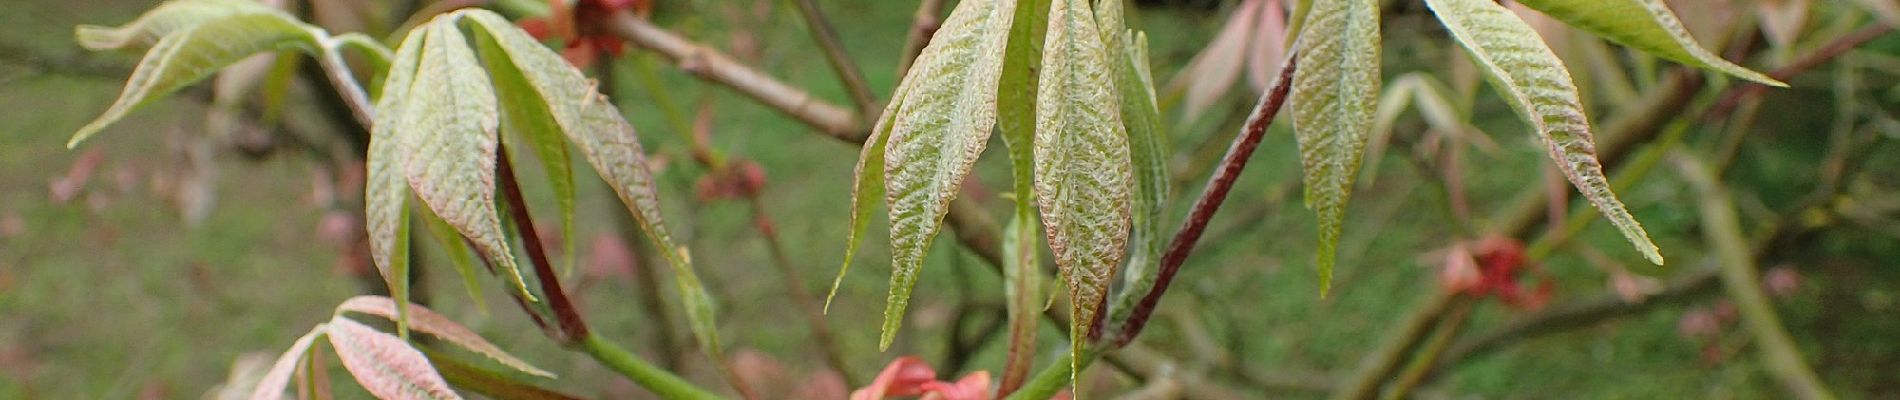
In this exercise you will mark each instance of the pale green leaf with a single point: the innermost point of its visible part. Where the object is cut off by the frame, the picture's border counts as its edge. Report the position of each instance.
(527, 123)
(172, 16)
(1536, 84)
(386, 188)
(190, 55)
(1148, 150)
(1334, 96)
(384, 364)
(426, 321)
(1016, 119)
(867, 188)
(271, 387)
(943, 124)
(449, 143)
(1888, 11)
(1083, 169)
(608, 142)
(1646, 25)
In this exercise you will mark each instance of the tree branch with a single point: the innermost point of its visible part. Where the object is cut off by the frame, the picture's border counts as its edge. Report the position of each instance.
(848, 73)
(1210, 201)
(711, 65)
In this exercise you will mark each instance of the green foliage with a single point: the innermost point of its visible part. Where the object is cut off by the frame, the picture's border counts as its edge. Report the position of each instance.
(1333, 100)
(1538, 87)
(1645, 25)
(189, 54)
(162, 21)
(1083, 173)
(1148, 153)
(384, 364)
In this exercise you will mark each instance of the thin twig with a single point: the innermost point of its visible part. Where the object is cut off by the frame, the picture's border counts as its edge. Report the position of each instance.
(711, 65)
(923, 26)
(848, 73)
(572, 328)
(1210, 201)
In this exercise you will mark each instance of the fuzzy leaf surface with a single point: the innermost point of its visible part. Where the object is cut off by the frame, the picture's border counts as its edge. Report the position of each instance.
(190, 55)
(1148, 151)
(1333, 105)
(1083, 172)
(386, 187)
(1646, 25)
(1535, 83)
(942, 126)
(384, 364)
(450, 141)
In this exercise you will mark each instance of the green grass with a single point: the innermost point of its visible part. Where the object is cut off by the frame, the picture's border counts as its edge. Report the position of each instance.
(110, 296)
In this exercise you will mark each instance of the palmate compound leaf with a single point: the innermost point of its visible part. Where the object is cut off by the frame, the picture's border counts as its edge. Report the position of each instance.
(271, 387)
(1645, 25)
(423, 320)
(1083, 171)
(384, 364)
(1333, 105)
(192, 54)
(935, 135)
(1539, 88)
(1148, 152)
(608, 142)
(172, 16)
(447, 141)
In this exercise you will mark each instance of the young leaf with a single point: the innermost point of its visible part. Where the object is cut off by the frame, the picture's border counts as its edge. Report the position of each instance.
(1645, 25)
(525, 117)
(1218, 66)
(948, 110)
(271, 387)
(1016, 118)
(1083, 172)
(384, 364)
(461, 255)
(1333, 106)
(450, 144)
(426, 321)
(192, 54)
(1148, 150)
(1536, 84)
(867, 187)
(608, 142)
(386, 189)
(172, 16)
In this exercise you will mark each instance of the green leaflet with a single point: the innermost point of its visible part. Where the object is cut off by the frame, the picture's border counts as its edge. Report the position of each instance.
(386, 189)
(385, 365)
(525, 117)
(938, 132)
(1333, 104)
(450, 142)
(1536, 84)
(1148, 150)
(1645, 25)
(1016, 118)
(867, 187)
(191, 54)
(173, 16)
(608, 142)
(1083, 169)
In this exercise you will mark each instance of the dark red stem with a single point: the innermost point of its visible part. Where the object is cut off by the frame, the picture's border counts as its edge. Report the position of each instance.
(572, 328)
(1211, 198)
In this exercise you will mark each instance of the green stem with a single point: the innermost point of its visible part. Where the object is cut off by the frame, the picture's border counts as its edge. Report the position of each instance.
(1051, 380)
(649, 376)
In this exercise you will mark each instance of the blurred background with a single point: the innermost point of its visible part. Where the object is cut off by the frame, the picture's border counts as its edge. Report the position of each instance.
(224, 222)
